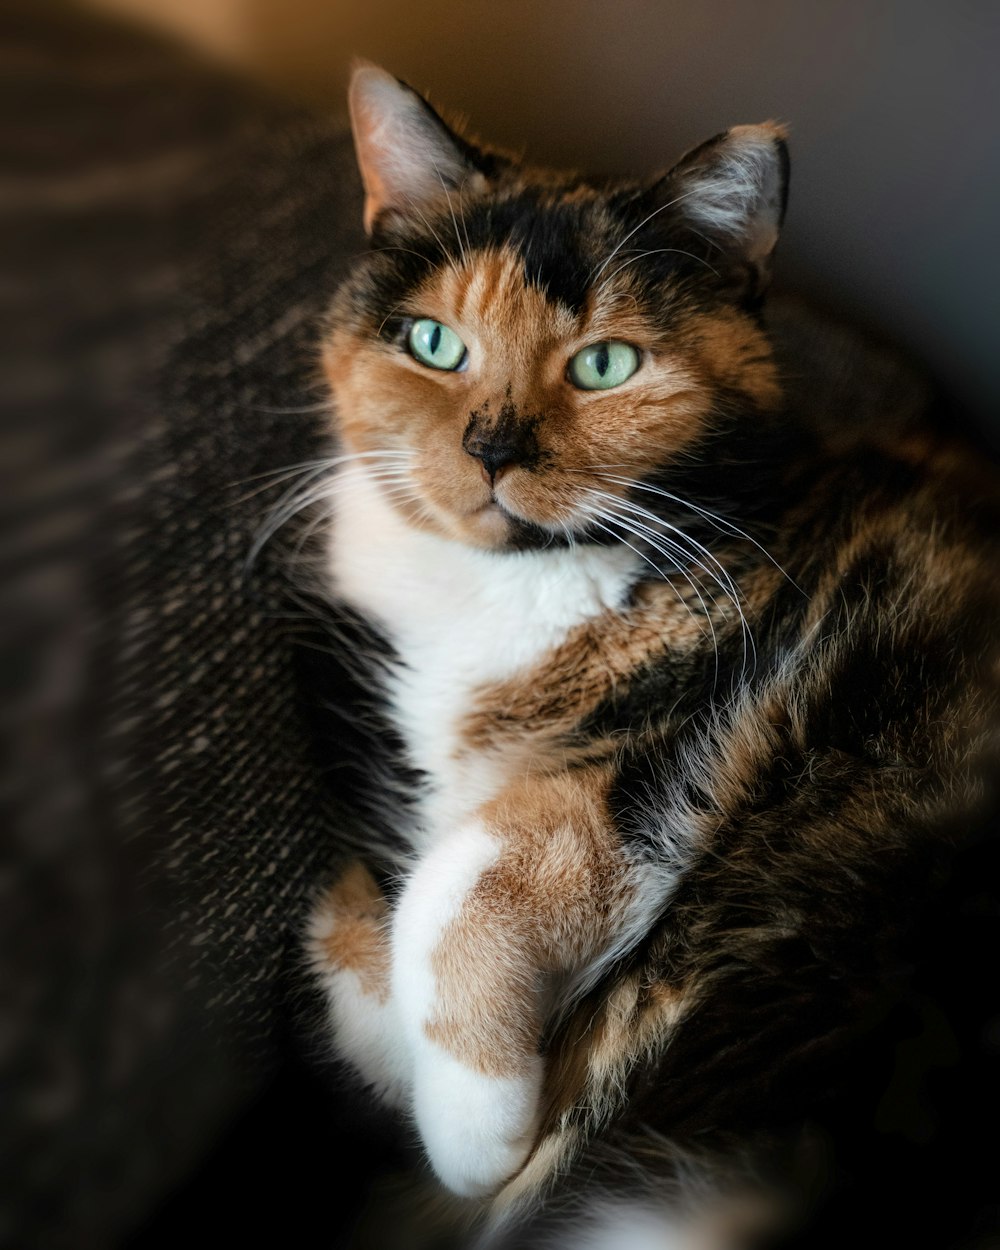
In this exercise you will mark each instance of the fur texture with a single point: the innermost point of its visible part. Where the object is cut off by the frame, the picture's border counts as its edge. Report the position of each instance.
(697, 681)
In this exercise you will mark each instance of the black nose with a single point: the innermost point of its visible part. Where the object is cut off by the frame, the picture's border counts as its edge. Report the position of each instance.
(500, 446)
(495, 455)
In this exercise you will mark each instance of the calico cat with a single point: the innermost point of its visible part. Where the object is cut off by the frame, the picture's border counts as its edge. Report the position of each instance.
(695, 666)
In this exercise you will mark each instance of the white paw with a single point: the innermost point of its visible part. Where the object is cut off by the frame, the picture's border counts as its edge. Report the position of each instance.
(477, 1130)
(367, 1035)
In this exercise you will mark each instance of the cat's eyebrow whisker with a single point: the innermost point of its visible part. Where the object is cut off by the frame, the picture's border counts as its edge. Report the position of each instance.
(382, 323)
(407, 251)
(655, 251)
(615, 296)
(452, 263)
(454, 219)
(461, 216)
(635, 230)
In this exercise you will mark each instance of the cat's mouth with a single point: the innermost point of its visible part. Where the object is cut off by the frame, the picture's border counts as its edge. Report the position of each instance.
(496, 524)
(511, 514)
(491, 505)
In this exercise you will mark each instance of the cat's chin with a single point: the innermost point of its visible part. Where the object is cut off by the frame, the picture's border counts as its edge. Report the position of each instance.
(493, 528)
(490, 526)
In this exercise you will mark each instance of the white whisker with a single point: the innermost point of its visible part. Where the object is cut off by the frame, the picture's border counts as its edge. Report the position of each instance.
(723, 524)
(635, 230)
(384, 464)
(452, 264)
(454, 219)
(656, 251)
(696, 552)
(706, 616)
(668, 548)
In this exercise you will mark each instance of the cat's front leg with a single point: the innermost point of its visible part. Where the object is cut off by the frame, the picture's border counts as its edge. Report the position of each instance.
(475, 1096)
(349, 948)
(534, 885)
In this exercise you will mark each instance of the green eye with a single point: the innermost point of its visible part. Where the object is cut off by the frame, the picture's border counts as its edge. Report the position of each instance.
(601, 366)
(433, 344)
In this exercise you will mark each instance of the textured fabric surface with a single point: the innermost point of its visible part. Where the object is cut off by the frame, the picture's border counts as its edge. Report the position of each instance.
(169, 241)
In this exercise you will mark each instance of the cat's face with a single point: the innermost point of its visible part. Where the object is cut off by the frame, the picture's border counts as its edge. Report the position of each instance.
(518, 350)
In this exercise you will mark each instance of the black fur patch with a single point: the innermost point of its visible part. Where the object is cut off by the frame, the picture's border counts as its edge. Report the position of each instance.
(511, 437)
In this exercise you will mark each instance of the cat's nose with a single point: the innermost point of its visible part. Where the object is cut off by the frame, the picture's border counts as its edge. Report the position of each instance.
(500, 450)
(495, 458)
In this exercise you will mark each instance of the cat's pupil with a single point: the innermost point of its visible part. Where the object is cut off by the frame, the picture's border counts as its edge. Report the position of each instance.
(602, 360)
(435, 340)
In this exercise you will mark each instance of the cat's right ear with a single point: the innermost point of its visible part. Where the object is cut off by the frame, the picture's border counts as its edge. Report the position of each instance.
(406, 153)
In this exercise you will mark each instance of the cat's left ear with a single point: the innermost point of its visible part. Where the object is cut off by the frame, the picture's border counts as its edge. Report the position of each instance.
(407, 155)
(733, 191)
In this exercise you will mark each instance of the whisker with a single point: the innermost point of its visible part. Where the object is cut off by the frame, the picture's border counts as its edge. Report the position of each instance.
(656, 251)
(708, 562)
(448, 256)
(725, 580)
(461, 216)
(454, 220)
(394, 247)
(307, 492)
(293, 470)
(721, 523)
(400, 492)
(657, 520)
(324, 490)
(620, 524)
(635, 230)
(670, 549)
(294, 412)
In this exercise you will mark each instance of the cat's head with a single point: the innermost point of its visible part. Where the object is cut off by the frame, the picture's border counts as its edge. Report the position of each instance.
(529, 346)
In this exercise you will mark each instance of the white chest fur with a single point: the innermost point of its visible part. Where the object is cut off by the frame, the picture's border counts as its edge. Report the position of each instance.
(459, 617)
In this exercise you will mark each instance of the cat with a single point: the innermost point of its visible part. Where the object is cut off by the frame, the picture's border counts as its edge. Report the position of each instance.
(693, 664)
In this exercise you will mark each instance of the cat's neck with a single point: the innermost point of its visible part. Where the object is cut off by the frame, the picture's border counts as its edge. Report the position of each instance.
(421, 587)
(458, 619)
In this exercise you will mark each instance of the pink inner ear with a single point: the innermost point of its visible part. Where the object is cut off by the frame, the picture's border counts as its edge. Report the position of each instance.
(372, 157)
(372, 143)
(405, 153)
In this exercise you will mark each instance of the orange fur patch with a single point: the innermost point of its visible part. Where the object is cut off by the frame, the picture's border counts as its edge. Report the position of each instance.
(545, 906)
(551, 698)
(351, 931)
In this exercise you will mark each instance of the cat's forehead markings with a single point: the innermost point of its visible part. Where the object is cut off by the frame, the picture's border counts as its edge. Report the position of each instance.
(551, 231)
(489, 295)
(464, 279)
